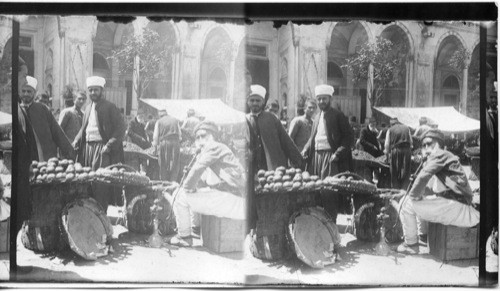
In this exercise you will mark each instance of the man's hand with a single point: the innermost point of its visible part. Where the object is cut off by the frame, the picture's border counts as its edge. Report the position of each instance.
(334, 158)
(105, 150)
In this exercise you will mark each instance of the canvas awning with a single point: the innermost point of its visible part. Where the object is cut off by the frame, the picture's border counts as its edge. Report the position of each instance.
(212, 109)
(447, 118)
(5, 118)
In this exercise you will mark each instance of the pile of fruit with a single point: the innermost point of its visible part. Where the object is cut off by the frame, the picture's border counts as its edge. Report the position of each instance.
(122, 174)
(59, 171)
(283, 180)
(350, 183)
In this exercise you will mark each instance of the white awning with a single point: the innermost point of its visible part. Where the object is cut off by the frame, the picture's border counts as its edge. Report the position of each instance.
(5, 118)
(212, 109)
(447, 118)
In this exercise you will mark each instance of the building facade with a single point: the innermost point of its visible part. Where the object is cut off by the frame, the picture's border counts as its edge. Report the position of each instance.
(219, 60)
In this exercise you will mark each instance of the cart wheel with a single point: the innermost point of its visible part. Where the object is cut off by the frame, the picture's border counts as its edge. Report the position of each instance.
(393, 234)
(365, 222)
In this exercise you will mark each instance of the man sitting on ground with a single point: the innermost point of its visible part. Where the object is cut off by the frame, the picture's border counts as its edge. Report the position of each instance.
(215, 185)
(440, 193)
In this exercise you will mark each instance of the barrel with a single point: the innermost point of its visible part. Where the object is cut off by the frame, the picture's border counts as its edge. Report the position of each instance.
(42, 232)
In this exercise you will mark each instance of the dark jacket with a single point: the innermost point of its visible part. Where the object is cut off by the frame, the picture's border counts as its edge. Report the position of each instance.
(111, 129)
(277, 145)
(368, 139)
(49, 133)
(137, 134)
(339, 135)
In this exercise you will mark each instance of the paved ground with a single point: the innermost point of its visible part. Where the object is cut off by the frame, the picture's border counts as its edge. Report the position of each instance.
(134, 261)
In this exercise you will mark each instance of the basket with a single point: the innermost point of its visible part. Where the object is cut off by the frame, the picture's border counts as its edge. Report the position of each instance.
(349, 183)
(129, 177)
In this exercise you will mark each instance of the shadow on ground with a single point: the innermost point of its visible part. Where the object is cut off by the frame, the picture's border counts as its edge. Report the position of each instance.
(39, 274)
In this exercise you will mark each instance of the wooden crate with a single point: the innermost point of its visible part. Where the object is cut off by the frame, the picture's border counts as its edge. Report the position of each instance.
(4, 235)
(222, 235)
(447, 242)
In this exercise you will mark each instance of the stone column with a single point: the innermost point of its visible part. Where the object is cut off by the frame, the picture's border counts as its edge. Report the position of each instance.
(139, 24)
(465, 91)
(231, 76)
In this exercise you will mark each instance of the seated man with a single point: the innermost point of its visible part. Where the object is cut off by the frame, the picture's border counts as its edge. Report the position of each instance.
(440, 193)
(215, 185)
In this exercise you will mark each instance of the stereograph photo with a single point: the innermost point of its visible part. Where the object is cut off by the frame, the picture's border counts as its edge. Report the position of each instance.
(230, 150)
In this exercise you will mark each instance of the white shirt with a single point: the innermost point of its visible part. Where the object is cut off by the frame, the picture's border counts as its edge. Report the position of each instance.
(92, 132)
(321, 140)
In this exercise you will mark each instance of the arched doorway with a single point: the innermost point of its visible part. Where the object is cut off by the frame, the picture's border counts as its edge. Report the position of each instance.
(447, 78)
(215, 59)
(101, 67)
(346, 39)
(395, 95)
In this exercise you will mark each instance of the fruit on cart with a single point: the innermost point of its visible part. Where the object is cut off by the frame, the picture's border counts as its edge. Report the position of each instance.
(261, 173)
(262, 181)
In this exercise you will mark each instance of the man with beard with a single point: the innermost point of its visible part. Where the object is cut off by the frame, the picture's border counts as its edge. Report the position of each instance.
(100, 140)
(222, 195)
(71, 118)
(328, 150)
(48, 134)
(440, 193)
(398, 145)
(270, 146)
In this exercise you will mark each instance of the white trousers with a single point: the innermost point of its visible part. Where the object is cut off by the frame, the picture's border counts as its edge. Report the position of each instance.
(438, 210)
(206, 201)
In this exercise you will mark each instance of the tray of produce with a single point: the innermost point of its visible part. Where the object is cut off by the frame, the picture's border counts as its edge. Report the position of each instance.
(56, 171)
(133, 148)
(286, 180)
(121, 175)
(349, 183)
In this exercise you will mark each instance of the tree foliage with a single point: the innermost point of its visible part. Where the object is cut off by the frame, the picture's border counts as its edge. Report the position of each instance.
(153, 51)
(387, 59)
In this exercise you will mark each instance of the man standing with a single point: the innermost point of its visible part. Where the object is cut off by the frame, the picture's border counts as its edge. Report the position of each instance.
(398, 145)
(328, 150)
(189, 124)
(440, 194)
(271, 145)
(420, 130)
(47, 133)
(167, 139)
(301, 126)
(221, 196)
(100, 140)
(136, 131)
(368, 139)
(71, 118)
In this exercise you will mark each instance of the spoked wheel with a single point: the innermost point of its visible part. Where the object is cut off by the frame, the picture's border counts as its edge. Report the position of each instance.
(140, 218)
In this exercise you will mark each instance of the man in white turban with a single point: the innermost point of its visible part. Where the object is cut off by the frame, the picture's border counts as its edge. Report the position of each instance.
(100, 140)
(328, 151)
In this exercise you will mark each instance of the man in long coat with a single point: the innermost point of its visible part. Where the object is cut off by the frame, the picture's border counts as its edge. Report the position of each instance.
(270, 146)
(167, 139)
(100, 140)
(49, 137)
(328, 151)
(398, 145)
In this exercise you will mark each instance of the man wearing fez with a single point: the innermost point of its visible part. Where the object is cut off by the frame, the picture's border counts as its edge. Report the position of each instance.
(100, 140)
(328, 151)
(219, 194)
(440, 193)
(398, 145)
(47, 133)
(301, 126)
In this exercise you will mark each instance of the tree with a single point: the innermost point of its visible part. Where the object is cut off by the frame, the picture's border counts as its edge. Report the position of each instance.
(387, 59)
(154, 54)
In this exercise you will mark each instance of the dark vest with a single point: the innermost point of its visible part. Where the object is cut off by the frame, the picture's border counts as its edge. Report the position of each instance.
(400, 136)
(168, 127)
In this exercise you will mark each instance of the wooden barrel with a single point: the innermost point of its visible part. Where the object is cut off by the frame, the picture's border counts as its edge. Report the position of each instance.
(41, 233)
(313, 236)
(87, 229)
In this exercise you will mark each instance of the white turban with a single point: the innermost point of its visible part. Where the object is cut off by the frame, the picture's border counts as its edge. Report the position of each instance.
(258, 90)
(323, 90)
(96, 81)
(32, 82)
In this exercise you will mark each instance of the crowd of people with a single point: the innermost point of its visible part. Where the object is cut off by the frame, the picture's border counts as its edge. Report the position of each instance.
(217, 182)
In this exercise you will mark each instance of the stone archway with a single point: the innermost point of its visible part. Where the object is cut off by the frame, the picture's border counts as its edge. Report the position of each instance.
(443, 70)
(216, 54)
(346, 39)
(396, 94)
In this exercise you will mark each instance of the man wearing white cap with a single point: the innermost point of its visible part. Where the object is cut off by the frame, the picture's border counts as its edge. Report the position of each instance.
(100, 140)
(328, 151)
(47, 133)
(270, 145)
